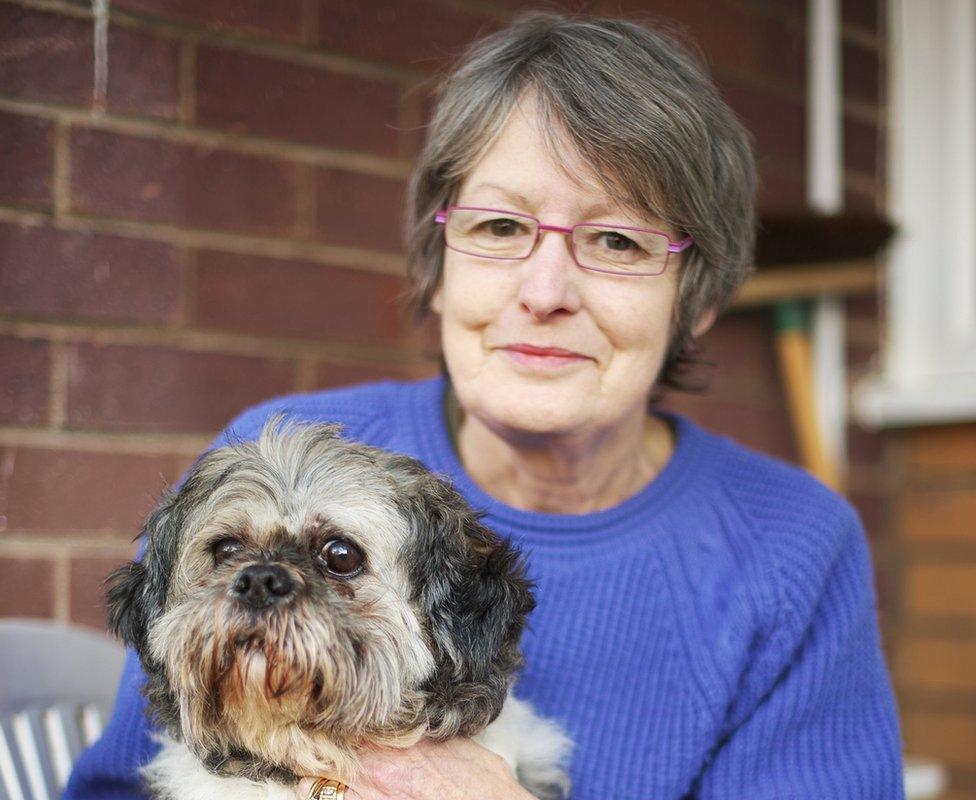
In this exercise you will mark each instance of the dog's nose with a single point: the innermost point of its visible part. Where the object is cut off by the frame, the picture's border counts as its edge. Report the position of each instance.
(261, 585)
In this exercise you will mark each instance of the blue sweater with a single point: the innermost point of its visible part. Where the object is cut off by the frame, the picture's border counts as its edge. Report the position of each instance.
(713, 636)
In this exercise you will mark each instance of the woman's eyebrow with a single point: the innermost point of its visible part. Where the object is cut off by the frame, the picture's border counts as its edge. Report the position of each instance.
(508, 193)
(598, 209)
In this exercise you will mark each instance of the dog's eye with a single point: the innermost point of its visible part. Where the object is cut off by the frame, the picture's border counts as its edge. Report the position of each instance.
(341, 557)
(225, 548)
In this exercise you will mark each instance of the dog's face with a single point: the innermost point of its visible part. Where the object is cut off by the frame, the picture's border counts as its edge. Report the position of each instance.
(303, 595)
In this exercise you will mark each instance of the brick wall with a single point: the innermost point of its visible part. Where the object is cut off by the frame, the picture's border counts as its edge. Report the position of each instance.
(220, 225)
(935, 656)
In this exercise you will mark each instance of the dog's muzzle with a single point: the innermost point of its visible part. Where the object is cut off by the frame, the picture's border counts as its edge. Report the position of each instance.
(261, 585)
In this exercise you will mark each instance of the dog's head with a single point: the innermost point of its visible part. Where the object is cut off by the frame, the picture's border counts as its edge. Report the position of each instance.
(302, 595)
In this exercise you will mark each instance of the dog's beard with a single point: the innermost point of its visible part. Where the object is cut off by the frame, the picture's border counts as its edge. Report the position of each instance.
(291, 688)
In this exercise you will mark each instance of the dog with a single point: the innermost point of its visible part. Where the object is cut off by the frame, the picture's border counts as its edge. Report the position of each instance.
(302, 596)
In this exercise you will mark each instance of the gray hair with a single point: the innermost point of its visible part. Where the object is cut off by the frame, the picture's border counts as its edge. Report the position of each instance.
(638, 107)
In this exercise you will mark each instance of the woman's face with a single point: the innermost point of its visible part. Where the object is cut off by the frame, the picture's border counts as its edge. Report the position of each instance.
(611, 331)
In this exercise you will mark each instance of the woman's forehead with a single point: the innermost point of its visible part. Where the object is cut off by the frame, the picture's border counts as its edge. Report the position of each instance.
(526, 152)
(534, 168)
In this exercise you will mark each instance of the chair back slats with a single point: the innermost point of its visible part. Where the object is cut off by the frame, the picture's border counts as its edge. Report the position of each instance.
(91, 724)
(57, 684)
(31, 747)
(62, 753)
(12, 779)
(38, 747)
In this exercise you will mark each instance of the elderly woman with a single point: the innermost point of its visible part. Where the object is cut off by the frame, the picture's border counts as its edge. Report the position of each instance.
(705, 626)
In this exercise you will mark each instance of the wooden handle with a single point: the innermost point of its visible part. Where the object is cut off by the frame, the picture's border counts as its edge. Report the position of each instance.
(796, 364)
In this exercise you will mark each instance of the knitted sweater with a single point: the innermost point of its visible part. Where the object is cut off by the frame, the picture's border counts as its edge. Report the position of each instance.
(712, 636)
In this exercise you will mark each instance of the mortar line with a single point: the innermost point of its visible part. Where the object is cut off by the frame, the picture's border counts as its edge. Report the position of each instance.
(58, 405)
(177, 133)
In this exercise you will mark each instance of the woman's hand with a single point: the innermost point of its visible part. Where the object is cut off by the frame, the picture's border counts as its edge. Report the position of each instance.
(457, 769)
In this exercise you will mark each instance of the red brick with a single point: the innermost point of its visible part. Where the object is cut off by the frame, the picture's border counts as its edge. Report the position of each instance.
(928, 662)
(797, 8)
(355, 209)
(87, 588)
(419, 33)
(88, 276)
(26, 587)
(875, 511)
(27, 162)
(941, 590)
(935, 514)
(329, 373)
(163, 389)
(24, 380)
(861, 306)
(268, 97)
(781, 49)
(865, 14)
(570, 6)
(419, 106)
(948, 449)
(62, 490)
(761, 427)
(779, 192)
(946, 735)
(856, 200)
(252, 294)
(281, 19)
(778, 124)
(861, 73)
(861, 355)
(864, 446)
(863, 147)
(741, 345)
(729, 35)
(45, 56)
(195, 187)
(143, 75)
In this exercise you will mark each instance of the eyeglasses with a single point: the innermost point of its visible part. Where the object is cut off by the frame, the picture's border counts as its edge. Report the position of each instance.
(508, 235)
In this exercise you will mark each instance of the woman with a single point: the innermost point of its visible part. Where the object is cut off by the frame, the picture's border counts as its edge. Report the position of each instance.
(705, 627)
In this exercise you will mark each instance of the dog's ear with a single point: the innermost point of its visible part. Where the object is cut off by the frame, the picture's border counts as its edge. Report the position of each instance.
(137, 591)
(126, 617)
(472, 588)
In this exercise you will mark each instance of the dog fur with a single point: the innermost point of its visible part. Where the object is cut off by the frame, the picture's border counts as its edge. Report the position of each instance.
(302, 596)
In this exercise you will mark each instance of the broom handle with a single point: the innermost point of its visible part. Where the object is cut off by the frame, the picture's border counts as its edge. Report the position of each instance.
(796, 364)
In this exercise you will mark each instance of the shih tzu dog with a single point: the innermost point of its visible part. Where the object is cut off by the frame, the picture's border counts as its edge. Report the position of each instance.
(302, 596)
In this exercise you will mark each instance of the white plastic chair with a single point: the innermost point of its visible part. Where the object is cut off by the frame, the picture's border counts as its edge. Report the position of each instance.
(57, 685)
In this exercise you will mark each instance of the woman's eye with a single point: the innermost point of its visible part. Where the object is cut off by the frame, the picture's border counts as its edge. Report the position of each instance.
(225, 548)
(502, 227)
(341, 557)
(619, 242)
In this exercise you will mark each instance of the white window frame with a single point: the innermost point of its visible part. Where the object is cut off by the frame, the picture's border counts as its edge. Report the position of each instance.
(928, 372)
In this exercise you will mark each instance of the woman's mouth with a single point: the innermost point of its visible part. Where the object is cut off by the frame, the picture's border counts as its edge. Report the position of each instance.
(536, 357)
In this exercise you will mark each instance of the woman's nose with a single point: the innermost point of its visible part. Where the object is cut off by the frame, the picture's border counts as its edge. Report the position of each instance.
(549, 278)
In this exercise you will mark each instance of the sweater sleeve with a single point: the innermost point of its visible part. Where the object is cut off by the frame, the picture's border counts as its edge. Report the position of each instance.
(814, 716)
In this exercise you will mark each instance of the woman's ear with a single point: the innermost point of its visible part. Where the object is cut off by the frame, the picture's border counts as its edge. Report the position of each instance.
(705, 321)
(436, 302)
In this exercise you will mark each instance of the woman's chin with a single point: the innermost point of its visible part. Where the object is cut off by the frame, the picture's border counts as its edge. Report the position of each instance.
(510, 400)
(533, 411)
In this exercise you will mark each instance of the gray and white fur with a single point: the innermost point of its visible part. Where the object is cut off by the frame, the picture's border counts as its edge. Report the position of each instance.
(302, 596)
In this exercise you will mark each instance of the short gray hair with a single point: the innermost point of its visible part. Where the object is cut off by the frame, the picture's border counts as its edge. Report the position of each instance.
(637, 106)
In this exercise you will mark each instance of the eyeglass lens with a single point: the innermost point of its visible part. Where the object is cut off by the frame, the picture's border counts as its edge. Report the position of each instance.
(504, 234)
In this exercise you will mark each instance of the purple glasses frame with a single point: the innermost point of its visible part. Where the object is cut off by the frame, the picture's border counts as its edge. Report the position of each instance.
(678, 246)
